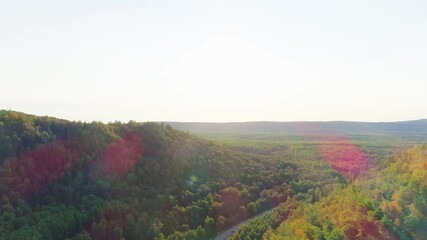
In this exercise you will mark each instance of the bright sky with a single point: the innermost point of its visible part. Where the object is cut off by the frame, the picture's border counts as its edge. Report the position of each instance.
(362, 60)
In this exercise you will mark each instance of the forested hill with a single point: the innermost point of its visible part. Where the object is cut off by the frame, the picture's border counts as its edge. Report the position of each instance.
(71, 180)
(405, 127)
(61, 179)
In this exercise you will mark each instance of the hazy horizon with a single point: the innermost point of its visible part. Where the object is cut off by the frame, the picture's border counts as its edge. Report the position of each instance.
(219, 61)
(224, 122)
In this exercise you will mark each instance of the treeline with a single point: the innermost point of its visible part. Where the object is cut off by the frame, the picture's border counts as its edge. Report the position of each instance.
(388, 202)
(62, 180)
(337, 216)
(397, 192)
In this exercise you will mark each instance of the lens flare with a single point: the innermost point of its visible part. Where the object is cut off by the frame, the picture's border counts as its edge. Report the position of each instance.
(122, 155)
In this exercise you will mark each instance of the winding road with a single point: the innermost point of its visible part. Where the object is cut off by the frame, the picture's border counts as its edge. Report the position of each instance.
(227, 233)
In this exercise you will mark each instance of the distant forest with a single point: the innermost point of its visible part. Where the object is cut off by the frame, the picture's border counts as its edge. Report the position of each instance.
(418, 127)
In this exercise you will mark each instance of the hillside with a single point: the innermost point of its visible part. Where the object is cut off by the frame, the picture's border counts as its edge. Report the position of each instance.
(62, 179)
(389, 199)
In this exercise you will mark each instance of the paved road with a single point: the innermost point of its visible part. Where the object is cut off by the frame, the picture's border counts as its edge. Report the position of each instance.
(227, 233)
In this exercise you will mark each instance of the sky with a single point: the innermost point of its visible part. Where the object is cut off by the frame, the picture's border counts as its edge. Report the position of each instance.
(215, 61)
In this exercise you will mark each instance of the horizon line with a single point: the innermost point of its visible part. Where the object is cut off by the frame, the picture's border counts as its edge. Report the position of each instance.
(219, 122)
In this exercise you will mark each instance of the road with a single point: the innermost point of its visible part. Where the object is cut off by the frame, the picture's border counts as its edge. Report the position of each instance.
(227, 233)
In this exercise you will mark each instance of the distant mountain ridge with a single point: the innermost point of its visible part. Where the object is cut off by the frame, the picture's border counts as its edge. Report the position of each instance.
(403, 127)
